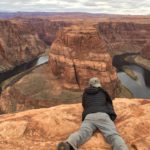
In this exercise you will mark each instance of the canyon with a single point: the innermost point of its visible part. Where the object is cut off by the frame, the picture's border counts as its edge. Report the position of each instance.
(146, 51)
(17, 45)
(22, 40)
(77, 54)
(38, 88)
(125, 37)
(79, 50)
(41, 101)
(44, 128)
(46, 29)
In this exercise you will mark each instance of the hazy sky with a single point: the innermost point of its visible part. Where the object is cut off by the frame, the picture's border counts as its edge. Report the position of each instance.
(141, 7)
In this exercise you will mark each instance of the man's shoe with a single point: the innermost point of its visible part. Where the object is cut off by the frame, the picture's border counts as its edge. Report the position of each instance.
(63, 146)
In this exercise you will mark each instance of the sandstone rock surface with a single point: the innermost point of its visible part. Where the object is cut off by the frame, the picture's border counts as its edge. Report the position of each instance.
(123, 37)
(79, 53)
(37, 89)
(146, 51)
(18, 44)
(42, 129)
(45, 28)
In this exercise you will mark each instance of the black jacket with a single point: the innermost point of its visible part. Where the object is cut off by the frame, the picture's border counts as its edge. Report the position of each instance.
(97, 100)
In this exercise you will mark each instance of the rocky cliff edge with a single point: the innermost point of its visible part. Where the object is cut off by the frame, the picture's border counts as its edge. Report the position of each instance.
(42, 129)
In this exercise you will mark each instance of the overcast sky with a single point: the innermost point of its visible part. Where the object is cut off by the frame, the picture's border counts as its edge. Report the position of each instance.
(140, 7)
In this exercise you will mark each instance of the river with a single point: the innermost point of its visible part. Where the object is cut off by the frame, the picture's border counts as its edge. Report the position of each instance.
(23, 67)
(140, 87)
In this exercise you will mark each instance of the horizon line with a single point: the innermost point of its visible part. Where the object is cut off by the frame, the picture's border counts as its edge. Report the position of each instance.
(74, 12)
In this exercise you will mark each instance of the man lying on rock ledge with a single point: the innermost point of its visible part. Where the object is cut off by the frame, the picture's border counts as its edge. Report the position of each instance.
(98, 114)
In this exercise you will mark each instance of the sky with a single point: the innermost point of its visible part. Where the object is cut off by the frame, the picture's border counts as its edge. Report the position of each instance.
(133, 7)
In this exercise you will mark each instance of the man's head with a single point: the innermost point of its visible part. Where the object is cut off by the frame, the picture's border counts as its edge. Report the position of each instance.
(95, 82)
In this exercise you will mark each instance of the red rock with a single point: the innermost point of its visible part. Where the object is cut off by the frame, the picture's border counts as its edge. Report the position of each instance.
(43, 128)
(17, 44)
(77, 54)
(36, 89)
(146, 51)
(125, 36)
(44, 27)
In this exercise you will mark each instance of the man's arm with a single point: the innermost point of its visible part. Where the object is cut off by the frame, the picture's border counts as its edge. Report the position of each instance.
(109, 101)
(83, 100)
(110, 106)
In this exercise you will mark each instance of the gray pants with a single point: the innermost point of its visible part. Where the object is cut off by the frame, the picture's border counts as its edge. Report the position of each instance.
(103, 123)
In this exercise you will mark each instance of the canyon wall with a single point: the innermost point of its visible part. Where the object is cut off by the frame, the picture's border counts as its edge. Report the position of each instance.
(38, 88)
(123, 37)
(146, 51)
(79, 53)
(45, 28)
(18, 44)
(23, 39)
(43, 129)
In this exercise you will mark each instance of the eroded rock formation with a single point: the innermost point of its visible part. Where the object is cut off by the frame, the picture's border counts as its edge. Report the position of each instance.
(37, 89)
(45, 28)
(123, 37)
(146, 51)
(79, 53)
(18, 44)
(42, 129)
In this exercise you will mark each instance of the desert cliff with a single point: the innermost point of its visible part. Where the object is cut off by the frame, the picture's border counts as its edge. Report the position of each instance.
(123, 37)
(24, 39)
(79, 53)
(46, 29)
(146, 51)
(43, 128)
(17, 45)
(39, 88)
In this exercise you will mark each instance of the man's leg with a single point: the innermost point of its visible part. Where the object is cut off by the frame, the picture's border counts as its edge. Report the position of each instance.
(82, 135)
(107, 127)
